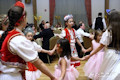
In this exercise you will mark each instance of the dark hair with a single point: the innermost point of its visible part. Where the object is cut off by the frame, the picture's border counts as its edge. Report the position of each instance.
(97, 32)
(14, 14)
(65, 45)
(80, 25)
(114, 23)
(99, 14)
(3, 21)
(65, 23)
(47, 21)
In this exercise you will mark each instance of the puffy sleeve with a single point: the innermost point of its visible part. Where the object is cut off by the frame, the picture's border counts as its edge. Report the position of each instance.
(106, 38)
(37, 47)
(62, 34)
(24, 48)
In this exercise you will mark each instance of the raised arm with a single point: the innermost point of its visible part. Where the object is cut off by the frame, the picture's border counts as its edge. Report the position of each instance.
(89, 49)
(77, 59)
(43, 68)
(94, 52)
(50, 52)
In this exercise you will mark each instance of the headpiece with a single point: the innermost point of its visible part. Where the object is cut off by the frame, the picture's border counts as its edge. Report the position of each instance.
(68, 17)
(28, 29)
(19, 4)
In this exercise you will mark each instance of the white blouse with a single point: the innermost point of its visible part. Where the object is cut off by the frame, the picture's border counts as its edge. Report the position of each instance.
(81, 33)
(22, 47)
(37, 47)
(106, 38)
(63, 34)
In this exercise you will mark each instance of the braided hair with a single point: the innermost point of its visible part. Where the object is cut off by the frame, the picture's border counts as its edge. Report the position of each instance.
(14, 14)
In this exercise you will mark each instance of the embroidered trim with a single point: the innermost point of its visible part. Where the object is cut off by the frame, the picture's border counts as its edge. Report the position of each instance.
(14, 64)
(9, 42)
(68, 34)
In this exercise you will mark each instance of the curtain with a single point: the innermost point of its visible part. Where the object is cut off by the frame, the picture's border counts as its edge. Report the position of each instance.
(52, 8)
(74, 7)
(88, 8)
(5, 5)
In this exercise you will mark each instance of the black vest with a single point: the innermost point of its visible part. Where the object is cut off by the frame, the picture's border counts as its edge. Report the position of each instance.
(98, 23)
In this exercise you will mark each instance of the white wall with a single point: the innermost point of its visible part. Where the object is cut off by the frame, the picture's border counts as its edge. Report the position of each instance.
(99, 6)
(96, 7)
(114, 4)
(41, 6)
(29, 10)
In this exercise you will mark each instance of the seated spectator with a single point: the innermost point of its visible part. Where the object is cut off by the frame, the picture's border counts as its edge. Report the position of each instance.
(42, 25)
(4, 22)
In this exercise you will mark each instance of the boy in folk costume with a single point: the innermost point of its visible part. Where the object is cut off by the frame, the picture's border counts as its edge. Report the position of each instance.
(70, 34)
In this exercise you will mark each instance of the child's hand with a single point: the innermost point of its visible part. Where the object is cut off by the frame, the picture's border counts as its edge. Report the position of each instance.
(91, 37)
(82, 59)
(86, 57)
(84, 50)
(51, 52)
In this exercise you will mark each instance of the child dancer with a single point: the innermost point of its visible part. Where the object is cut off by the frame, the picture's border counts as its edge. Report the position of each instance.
(70, 34)
(64, 70)
(16, 50)
(95, 61)
(110, 67)
(33, 73)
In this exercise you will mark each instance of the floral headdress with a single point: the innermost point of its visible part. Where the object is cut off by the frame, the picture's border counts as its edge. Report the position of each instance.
(68, 17)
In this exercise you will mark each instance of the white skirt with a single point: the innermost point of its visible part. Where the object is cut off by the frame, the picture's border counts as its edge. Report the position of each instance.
(110, 69)
(10, 76)
(32, 75)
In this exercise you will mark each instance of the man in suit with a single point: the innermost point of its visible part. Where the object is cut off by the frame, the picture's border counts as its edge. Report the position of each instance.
(46, 34)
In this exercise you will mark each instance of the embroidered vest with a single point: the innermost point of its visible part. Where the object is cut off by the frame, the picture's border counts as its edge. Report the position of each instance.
(68, 34)
(7, 58)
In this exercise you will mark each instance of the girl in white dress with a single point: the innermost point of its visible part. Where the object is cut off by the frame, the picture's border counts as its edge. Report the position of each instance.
(110, 69)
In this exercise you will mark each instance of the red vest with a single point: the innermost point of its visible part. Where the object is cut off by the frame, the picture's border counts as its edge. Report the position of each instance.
(68, 34)
(7, 57)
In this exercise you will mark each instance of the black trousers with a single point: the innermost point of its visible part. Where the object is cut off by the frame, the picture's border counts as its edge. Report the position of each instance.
(79, 50)
(43, 57)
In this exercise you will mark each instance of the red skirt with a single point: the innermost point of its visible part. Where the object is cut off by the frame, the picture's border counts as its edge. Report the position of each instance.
(75, 63)
(31, 67)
